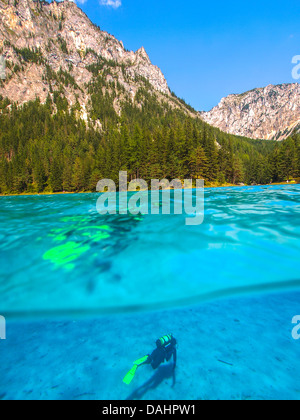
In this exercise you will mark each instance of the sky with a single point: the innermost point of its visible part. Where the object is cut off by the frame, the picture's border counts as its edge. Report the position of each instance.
(207, 49)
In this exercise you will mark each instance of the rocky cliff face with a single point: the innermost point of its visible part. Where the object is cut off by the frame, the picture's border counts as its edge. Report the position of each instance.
(271, 113)
(55, 47)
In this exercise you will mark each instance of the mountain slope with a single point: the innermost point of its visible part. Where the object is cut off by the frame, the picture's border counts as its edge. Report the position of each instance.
(77, 107)
(270, 113)
(56, 48)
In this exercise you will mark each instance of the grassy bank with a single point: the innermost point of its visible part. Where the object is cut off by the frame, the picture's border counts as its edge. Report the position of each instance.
(208, 185)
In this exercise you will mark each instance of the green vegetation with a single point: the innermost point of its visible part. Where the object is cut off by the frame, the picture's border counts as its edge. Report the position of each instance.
(46, 148)
(30, 55)
(66, 79)
(63, 45)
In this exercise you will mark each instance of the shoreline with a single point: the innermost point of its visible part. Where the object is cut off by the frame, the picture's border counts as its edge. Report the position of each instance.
(94, 192)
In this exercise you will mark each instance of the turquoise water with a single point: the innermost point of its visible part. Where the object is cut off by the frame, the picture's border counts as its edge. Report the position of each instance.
(85, 295)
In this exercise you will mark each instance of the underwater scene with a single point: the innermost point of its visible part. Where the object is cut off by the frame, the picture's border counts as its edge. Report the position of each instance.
(86, 295)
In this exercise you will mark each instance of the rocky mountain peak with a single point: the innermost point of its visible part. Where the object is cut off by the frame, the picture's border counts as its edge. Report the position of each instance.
(143, 54)
(270, 113)
(41, 40)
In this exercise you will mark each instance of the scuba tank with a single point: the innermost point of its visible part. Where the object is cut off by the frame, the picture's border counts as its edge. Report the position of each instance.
(164, 341)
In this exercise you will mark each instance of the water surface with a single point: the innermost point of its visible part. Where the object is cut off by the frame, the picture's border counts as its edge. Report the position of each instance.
(59, 256)
(60, 260)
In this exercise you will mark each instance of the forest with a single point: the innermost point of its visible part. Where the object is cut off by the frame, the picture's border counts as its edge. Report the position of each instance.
(47, 148)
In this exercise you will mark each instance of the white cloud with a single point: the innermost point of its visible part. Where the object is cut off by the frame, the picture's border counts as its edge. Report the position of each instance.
(79, 1)
(111, 3)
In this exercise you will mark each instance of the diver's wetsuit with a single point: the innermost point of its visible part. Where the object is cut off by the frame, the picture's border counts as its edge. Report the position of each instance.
(163, 353)
(165, 349)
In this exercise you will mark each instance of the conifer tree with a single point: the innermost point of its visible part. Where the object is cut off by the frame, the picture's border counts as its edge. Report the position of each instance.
(199, 164)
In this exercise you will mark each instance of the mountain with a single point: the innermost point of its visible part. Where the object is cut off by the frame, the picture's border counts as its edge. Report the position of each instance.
(77, 107)
(56, 48)
(271, 113)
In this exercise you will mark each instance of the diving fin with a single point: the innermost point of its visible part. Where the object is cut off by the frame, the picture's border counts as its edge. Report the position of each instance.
(141, 361)
(130, 375)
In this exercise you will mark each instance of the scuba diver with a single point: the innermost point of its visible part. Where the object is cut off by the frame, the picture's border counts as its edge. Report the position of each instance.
(166, 347)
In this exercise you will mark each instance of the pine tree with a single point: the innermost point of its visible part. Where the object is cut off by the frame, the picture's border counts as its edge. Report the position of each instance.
(199, 166)
(55, 178)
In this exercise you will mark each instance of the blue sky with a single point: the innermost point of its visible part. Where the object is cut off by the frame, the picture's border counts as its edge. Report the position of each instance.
(207, 49)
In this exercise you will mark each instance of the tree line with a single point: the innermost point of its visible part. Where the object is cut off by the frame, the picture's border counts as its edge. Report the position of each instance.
(47, 148)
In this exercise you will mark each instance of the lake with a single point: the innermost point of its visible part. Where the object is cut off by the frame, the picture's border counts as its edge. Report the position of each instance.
(85, 295)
